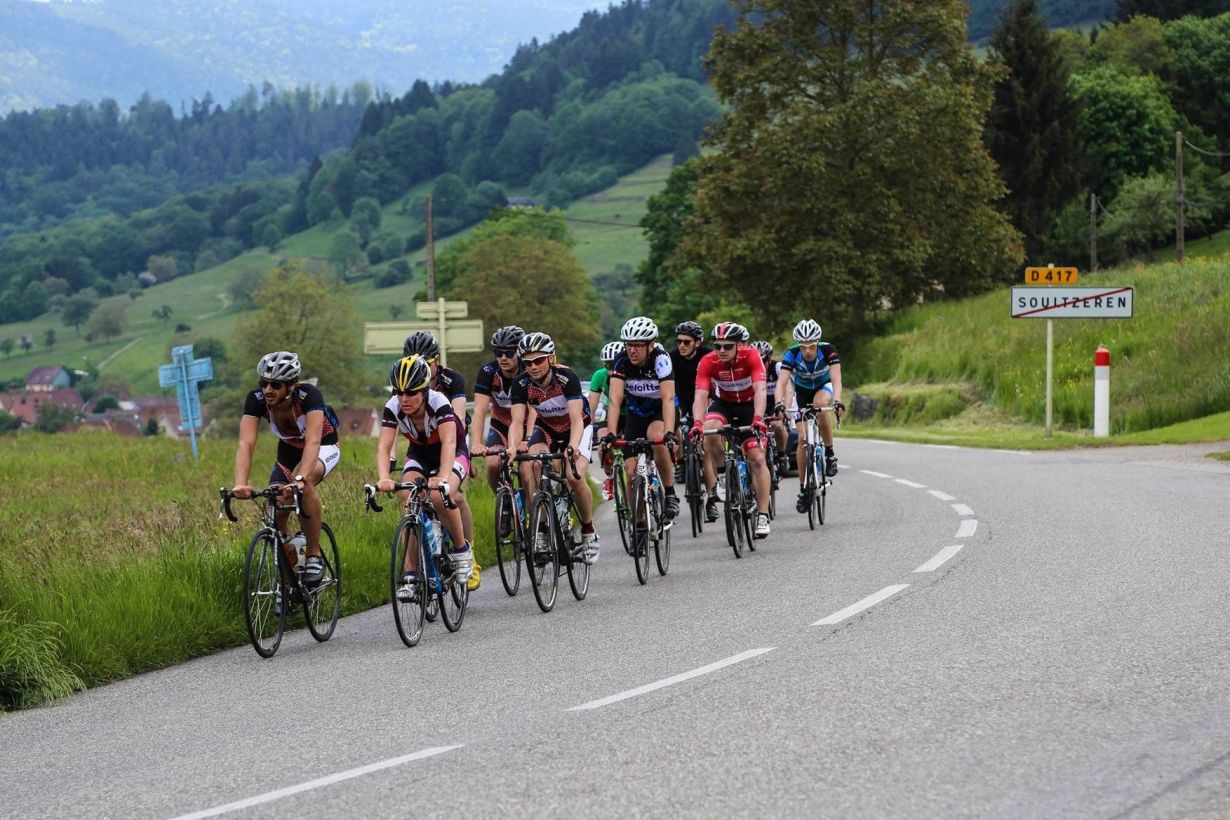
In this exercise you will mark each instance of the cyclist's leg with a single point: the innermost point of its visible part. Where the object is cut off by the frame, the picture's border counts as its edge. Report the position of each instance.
(580, 485)
(754, 453)
(412, 471)
(328, 458)
(714, 419)
(450, 518)
(529, 470)
(495, 438)
(824, 398)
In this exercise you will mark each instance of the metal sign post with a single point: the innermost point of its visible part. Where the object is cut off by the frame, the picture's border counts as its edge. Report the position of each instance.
(184, 374)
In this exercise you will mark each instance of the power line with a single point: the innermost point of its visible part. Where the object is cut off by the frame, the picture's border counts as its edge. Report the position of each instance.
(1202, 151)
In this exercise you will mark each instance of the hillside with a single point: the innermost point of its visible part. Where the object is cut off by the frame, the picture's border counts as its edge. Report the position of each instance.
(604, 227)
(61, 51)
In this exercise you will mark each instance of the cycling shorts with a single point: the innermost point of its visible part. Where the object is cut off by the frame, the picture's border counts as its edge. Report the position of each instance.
(558, 442)
(736, 415)
(283, 473)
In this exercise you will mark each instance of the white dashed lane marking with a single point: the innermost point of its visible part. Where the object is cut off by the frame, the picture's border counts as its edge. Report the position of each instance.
(939, 559)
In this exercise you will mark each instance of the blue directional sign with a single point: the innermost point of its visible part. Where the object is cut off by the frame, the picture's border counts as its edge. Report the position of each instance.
(184, 374)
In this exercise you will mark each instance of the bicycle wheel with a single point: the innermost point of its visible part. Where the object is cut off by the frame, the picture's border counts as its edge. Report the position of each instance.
(324, 601)
(662, 547)
(639, 526)
(733, 509)
(508, 542)
(542, 559)
(578, 570)
(408, 615)
(771, 462)
(454, 598)
(693, 476)
(748, 519)
(620, 489)
(820, 500)
(809, 484)
(263, 595)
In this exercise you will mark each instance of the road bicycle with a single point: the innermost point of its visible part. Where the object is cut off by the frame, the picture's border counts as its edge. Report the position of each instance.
(554, 544)
(772, 455)
(815, 481)
(646, 521)
(694, 484)
(273, 574)
(436, 588)
(619, 495)
(510, 530)
(739, 504)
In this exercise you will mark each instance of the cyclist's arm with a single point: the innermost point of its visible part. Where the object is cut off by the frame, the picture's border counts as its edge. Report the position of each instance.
(758, 399)
(668, 404)
(384, 451)
(249, 426)
(785, 385)
(835, 378)
(517, 427)
(481, 402)
(616, 391)
(576, 415)
(312, 432)
(699, 404)
(459, 406)
(448, 449)
(593, 402)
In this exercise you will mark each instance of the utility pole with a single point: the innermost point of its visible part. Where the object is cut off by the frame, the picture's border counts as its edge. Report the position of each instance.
(1178, 195)
(431, 256)
(1093, 232)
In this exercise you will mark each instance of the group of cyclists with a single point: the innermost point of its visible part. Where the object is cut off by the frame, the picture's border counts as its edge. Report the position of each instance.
(535, 404)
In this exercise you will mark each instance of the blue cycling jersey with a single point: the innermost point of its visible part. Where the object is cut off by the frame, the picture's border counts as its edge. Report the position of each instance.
(810, 375)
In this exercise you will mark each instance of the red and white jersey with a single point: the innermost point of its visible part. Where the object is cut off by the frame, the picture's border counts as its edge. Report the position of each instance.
(731, 382)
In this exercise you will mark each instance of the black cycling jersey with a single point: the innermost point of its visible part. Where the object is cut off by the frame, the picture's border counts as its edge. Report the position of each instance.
(685, 376)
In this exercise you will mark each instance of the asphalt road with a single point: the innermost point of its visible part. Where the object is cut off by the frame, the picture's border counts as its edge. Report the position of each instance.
(1063, 652)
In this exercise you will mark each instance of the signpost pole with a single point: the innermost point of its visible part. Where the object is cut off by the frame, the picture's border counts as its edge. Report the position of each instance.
(1050, 373)
(442, 335)
(183, 375)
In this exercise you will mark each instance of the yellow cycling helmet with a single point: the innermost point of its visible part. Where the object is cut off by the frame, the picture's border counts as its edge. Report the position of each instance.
(410, 375)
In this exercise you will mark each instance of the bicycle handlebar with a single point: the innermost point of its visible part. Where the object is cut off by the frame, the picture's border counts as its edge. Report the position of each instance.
(545, 457)
(420, 484)
(272, 492)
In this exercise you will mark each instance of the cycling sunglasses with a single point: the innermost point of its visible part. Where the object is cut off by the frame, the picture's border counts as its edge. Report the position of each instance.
(725, 345)
(276, 385)
(535, 361)
(505, 352)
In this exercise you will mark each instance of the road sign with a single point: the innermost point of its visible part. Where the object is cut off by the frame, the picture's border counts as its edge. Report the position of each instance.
(1051, 275)
(461, 335)
(1108, 302)
(452, 310)
(184, 374)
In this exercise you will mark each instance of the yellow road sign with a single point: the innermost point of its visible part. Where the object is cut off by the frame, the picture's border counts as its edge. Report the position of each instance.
(1051, 275)
(461, 336)
(452, 310)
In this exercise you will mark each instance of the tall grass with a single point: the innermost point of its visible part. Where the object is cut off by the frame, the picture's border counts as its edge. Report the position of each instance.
(1168, 361)
(113, 559)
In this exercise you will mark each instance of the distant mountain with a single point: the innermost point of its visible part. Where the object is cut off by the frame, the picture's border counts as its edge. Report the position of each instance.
(65, 51)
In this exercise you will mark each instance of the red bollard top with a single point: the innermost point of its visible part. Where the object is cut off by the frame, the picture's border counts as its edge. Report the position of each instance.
(1101, 358)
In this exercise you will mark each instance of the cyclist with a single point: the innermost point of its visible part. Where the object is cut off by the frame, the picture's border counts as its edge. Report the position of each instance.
(452, 385)
(493, 391)
(735, 375)
(642, 380)
(812, 369)
(308, 451)
(771, 371)
(599, 385)
(685, 358)
(437, 451)
(562, 425)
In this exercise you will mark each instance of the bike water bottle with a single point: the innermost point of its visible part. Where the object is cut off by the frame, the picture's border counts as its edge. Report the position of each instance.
(561, 511)
(432, 533)
(743, 474)
(299, 544)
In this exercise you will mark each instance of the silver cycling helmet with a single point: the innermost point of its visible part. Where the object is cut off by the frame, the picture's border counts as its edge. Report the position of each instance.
(507, 336)
(807, 330)
(639, 329)
(763, 348)
(610, 351)
(535, 343)
(280, 366)
(690, 328)
(421, 343)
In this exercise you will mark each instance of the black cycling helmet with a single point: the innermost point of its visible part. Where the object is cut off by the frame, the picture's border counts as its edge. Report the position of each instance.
(421, 343)
(730, 331)
(690, 329)
(409, 375)
(508, 336)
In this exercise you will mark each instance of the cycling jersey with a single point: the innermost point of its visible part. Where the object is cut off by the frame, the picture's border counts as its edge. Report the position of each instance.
(810, 375)
(449, 382)
(551, 401)
(771, 371)
(423, 452)
(492, 382)
(304, 399)
(732, 383)
(643, 382)
(685, 375)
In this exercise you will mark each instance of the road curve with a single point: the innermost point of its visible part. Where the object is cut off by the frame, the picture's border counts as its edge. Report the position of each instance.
(972, 633)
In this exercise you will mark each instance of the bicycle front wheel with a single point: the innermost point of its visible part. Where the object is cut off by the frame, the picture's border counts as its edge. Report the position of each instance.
(733, 509)
(639, 527)
(542, 560)
(264, 595)
(508, 533)
(619, 486)
(693, 477)
(453, 599)
(661, 547)
(578, 570)
(408, 615)
(324, 601)
(820, 501)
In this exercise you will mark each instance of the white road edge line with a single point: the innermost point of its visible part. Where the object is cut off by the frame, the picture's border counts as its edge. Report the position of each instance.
(909, 483)
(968, 527)
(939, 559)
(866, 603)
(874, 473)
(680, 678)
(329, 780)
(963, 510)
(942, 496)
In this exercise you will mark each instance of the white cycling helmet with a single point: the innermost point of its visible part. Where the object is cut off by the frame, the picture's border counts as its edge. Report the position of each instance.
(610, 351)
(639, 329)
(536, 343)
(280, 366)
(807, 330)
(765, 349)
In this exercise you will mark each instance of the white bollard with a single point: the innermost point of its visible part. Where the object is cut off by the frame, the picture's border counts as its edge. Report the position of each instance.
(1101, 393)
